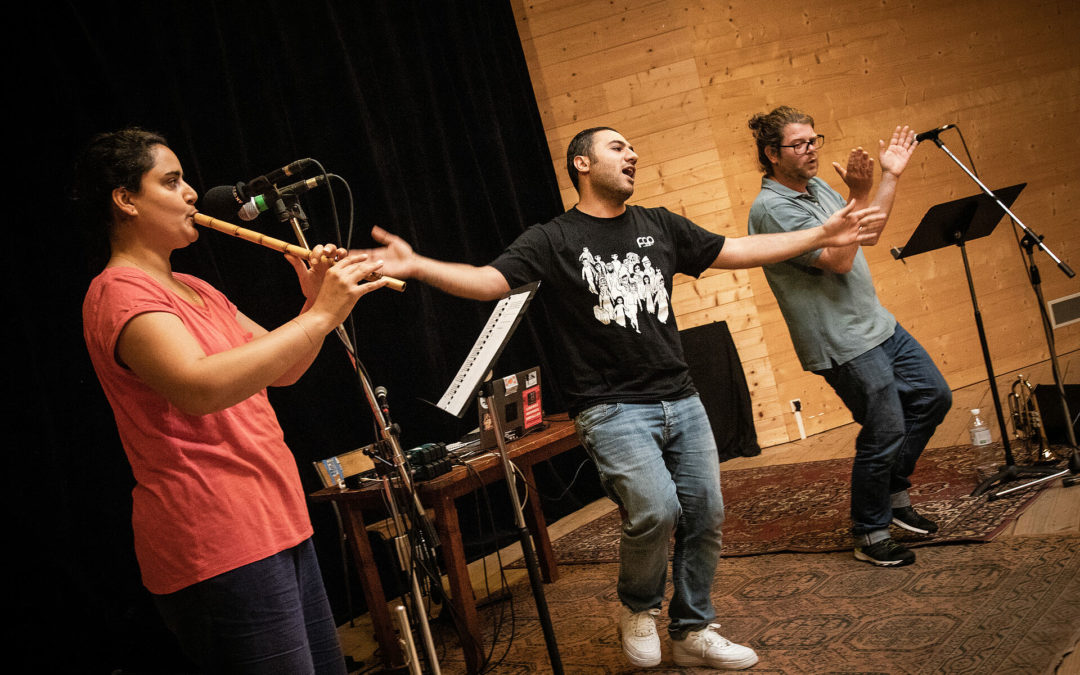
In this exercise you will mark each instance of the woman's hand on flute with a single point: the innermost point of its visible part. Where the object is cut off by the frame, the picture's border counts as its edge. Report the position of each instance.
(311, 271)
(321, 258)
(339, 284)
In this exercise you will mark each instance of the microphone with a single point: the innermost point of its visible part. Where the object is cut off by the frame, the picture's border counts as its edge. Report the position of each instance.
(380, 398)
(259, 203)
(223, 201)
(265, 183)
(932, 134)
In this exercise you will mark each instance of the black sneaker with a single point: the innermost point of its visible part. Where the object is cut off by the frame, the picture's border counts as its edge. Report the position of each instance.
(907, 518)
(885, 553)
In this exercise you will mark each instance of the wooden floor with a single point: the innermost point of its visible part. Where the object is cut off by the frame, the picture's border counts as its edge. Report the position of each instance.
(1056, 511)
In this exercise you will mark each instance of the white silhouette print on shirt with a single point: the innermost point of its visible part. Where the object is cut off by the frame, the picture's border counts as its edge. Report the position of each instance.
(624, 288)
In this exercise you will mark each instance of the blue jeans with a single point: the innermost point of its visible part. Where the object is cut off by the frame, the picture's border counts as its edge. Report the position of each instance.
(270, 616)
(658, 461)
(895, 392)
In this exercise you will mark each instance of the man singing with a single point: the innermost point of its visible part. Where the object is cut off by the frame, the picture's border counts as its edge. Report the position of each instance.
(839, 328)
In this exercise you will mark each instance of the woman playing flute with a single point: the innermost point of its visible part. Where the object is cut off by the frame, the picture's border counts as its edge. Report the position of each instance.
(222, 533)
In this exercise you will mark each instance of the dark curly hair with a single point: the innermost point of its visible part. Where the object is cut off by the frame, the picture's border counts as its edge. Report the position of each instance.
(768, 130)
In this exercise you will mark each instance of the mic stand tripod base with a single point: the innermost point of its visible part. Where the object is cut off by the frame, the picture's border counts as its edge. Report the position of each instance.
(1074, 469)
(1066, 481)
(1013, 472)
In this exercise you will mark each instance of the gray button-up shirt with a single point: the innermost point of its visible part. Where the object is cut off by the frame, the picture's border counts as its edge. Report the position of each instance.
(832, 317)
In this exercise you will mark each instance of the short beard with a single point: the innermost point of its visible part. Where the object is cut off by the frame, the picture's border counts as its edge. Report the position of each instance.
(611, 191)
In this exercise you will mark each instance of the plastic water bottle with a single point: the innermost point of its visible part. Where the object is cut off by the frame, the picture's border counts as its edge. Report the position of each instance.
(980, 442)
(979, 430)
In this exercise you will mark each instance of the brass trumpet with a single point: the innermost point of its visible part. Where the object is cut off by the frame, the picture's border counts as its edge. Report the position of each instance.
(1027, 421)
(276, 244)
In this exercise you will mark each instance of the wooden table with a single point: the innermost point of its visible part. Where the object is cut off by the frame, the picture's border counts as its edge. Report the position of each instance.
(437, 496)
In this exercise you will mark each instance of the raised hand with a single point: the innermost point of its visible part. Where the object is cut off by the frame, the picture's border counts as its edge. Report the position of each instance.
(894, 156)
(858, 175)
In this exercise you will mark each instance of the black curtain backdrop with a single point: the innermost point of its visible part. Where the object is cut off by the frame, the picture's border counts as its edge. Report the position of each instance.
(427, 111)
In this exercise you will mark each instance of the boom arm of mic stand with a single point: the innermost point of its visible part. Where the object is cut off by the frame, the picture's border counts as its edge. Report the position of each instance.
(988, 192)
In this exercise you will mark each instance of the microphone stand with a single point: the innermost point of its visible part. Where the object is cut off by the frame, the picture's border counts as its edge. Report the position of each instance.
(1029, 241)
(288, 209)
(1073, 467)
(421, 523)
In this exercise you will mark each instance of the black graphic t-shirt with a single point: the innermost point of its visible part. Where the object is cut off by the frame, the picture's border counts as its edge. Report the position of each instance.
(608, 282)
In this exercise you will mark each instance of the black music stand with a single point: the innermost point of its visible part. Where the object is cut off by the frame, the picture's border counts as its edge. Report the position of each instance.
(956, 223)
(473, 378)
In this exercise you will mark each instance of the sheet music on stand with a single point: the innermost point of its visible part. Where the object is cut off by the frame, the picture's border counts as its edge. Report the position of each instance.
(486, 350)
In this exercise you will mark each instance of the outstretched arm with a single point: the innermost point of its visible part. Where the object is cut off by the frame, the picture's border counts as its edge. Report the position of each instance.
(460, 279)
(845, 228)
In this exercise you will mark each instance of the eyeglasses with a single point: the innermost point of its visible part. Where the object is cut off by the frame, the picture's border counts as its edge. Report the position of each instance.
(803, 147)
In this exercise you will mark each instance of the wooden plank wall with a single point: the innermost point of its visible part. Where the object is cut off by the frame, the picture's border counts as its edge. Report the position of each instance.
(681, 78)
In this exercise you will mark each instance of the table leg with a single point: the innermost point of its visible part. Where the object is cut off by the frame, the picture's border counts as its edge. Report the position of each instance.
(373, 590)
(462, 597)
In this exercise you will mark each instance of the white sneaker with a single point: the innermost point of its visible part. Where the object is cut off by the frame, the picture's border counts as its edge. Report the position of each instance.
(640, 642)
(707, 647)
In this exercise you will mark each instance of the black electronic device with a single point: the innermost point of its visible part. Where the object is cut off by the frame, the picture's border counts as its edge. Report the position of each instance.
(518, 405)
(428, 461)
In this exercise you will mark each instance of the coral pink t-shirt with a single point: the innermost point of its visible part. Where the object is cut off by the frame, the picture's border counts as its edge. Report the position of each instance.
(213, 492)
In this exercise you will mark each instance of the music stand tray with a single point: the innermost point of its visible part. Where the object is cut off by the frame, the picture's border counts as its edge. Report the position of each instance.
(963, 219)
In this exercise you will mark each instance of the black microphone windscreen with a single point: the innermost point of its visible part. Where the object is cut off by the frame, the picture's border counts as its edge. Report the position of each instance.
(933, 133)
(220, 202)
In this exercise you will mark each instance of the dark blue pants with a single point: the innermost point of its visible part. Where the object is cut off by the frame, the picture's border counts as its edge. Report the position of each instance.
(271, 616)
(895, 392)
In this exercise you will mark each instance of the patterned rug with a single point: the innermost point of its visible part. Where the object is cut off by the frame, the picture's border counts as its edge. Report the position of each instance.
(805, 508)
(1007, 606)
